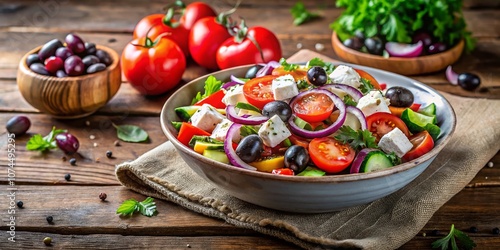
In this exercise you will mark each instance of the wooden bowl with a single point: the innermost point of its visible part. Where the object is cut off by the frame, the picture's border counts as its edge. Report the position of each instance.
(404, 66)
(72, 96)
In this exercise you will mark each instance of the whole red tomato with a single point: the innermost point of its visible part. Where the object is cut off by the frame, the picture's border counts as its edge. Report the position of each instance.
(194, 12)
(153, 68)
(154, 25)
(259, 45)
(205, 38)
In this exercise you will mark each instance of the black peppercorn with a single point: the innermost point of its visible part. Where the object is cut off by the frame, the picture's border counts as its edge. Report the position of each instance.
(67, 177)
(496, 230)
(435, 232)
(20, 204)
(47, 241)
(72, 161)
(109, 154)
(473, 229)
(49, 219)
(103, 196)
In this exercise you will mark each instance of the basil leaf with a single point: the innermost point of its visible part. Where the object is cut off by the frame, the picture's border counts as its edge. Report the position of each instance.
(131, 133)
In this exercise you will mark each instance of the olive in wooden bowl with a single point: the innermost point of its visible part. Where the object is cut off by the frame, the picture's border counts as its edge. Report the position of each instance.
(69, 97)
(400, 65)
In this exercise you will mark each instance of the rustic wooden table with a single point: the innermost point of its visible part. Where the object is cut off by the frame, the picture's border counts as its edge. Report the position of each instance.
(81, 220)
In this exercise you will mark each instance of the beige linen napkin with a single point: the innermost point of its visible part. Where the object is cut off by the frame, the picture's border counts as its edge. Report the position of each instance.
(383, 224)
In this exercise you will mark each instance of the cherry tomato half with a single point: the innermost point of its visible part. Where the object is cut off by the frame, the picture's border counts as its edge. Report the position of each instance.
(258, 91)
(283, 171)
(368, 77)
(382, 123)
(422, 143)
(313, 107)
(330, 155)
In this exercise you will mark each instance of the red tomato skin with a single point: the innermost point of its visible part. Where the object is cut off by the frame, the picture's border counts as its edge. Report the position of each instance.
(194, 12)
(214, 99)
(205, 38)
(422, 143)
(320, 151)
(232, 53)
(377, 124)
(283, 171)
(153, 71)
(179, 35)
(259, 101)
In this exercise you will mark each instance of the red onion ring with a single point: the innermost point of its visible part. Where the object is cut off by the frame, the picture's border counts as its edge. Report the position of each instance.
(451, 76)
(230, 84)
(350, 90)
(246, 120)
(236, 79)
(234, 159)
(359, 114)
(267, 69)
(324, 132)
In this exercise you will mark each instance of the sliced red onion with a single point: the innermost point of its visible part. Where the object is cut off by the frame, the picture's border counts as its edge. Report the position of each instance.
(230, 84)
(328, 130)
(359, 114)
(350, 90)
(267, 69)
(404, 49)
(228, 148)
(360, 157)
(236, 79)
(246, 119)
(451, 76)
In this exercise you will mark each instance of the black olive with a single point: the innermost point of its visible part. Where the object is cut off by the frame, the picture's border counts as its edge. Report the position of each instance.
(250, 148)
(280, 108)
(33, 58)
(360, 35)
(296, 158)
(374, 45)
(468, 81)
(436, 48)
(317, 76)
(399, 96)
(18, 124)
(251, 72)
(353, 43)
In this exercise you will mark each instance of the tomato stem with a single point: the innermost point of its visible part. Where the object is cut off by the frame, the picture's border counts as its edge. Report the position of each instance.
(177, 7)
(148, 42)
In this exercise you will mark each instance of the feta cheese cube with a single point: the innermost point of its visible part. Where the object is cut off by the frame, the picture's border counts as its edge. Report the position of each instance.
(206, 118)
(345, 75)
(274, 131)
(234, 95)
(284, 87)
(395, 141)
(220, 131)
(373, 102)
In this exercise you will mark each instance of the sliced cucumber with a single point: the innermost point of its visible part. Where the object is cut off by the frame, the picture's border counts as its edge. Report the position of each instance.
(416, 122)
(186, 112)
(375, 160)
(202, 138)
(216, 155)
(177, 125)
(429, 110)
(247, 106)
(311, 171)
(302, 124)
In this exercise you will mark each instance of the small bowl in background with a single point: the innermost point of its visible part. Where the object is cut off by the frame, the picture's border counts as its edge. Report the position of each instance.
(404, 66)
(73, 96)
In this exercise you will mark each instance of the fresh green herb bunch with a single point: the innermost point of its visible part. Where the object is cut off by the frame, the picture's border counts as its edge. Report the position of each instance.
(399, 20)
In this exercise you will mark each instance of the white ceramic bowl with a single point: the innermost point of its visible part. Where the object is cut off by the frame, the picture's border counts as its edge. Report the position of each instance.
(309, 194)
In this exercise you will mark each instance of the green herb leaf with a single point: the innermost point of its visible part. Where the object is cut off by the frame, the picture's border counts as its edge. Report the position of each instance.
(42, 144)
(357, 139)
(365, 86)
(463, 238)
(247, 130)
(329, 67)
(394, 158)
(349, 101)
(288, 66)
(303, 84)
(301, 15)
(433, 130)
(130, 133)
(146, 207)
(212, 85)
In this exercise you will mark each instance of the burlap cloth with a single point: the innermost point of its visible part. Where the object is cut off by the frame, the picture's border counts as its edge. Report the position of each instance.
(383, 224)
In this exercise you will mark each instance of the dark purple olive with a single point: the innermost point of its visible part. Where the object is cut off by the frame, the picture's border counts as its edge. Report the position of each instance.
(104, 57)
(60, 73)
(33, 58)
(360, 36)
(424, 37)
(250, 148)
(49, 49)
(67, 143)
(436, 48)
(353, 43)
(296, 158)
(89, 60)
(400, 96)
(252, 72)
(18, 125)
(64, 53)
(280, 108)
(90, 48)
(73, 66)
(96, 68)
(317, 76)
(39, 68)
(374, 45)
(75, 43)
(468, 81)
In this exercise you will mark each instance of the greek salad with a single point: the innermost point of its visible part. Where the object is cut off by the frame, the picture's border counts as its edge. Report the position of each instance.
(308, 120)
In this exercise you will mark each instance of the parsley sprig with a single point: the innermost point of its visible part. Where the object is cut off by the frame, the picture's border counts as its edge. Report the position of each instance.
(357, 139)
(444, 243)
(212, 85)
(288, 66)
(43, 144)
(146, 207)
(301, 15)
(329, 67)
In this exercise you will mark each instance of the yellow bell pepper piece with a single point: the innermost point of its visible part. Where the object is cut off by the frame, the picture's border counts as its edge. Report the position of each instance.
(268, 165)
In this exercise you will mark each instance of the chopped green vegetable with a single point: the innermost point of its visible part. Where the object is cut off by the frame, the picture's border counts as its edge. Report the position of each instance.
(212, 85)
(177, 125)
(429, 110)
(287, 143)
(365, 86)
(42, 144)
(418, 122)
(329, 67)
(247, 106)
(357, 139)
(246, 130)
(444, 243)
(349, 101)
(301, 15)
(311, 171)
(146, 207)
(130, 133)
(288, 66)
(396, 160)
(202, 138)
(303, 84)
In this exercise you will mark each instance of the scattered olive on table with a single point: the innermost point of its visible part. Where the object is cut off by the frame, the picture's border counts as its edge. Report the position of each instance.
(18, 125)
(75, 59)
(67, 142)
(468, 81)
